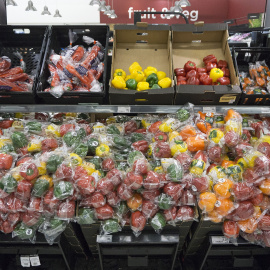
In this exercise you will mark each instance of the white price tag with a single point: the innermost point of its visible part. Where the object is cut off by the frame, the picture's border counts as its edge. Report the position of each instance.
(25, 261)
(123, 109)
(265, 110)
(209, 109)
(104, 238)
(35, 260)
(220, 240)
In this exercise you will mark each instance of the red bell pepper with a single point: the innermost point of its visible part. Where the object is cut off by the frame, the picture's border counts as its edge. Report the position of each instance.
(222, 64)
(193, 81)
(210, 65)
(6, 124)
(201, 70)
(5, 161)
(226, 72)
(189, 66)
(29, 171)
(192, 73)
(179, 72)
(181, 78)
(205, 79)
(209, 58)
(223, 81)
(154, 127)
(181, 82)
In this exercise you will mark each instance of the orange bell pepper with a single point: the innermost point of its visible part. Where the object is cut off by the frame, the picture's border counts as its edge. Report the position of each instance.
(187, 131)
(195, 144)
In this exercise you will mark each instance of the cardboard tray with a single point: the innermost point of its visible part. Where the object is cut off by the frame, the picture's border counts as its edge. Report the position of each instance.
(149, 45)
(242, 57)
(59, 39)
(30, 41)
(194, 42)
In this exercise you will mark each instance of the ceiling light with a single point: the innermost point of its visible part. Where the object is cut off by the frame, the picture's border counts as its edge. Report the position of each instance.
(46, 11)
(11, 3)
(95, 3)
(184, 3)
(30, 6)
(57, 13)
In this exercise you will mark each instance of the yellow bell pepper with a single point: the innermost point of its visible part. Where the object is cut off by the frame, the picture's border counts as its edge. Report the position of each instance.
(74, 115)
(4, 142)
(197, 167)
(137, 75)
(128, 77)
(166, 127)
(18, 115)
(217, 172)
(178, 147)
(253, 141)
(145, 124)
(235, 171)
(52, 130)
(265, 138)
(250, 158)
(16, 175)
(242, 163)
(34, 147)
(233, 125)
(215, 73)
(89, 167)
(149, 70)
(134, 66)
(47, 178)
(102, 150)
(159, 169)
(150, 150)
(173, 135)
(161, 75)
(119, 72)
(42, 168)
(215, 135)
(118, 82)
(141, 86)
(75, 159)
(165, 82)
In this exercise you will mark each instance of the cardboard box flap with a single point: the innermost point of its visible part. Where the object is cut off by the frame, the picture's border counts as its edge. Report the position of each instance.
(198, 28)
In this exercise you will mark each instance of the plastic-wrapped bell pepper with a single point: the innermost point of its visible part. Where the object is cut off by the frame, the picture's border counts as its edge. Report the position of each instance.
(86, 216)
(112, 129)
(119, 72)
(149, 70)
(182, 115)
(131, 84)
(52, 130)
(29, 171)
(102, 150)
(141, 86)
(137, 75)
(42, 185)
(178, 146)
(8, 184)
(81, 150)
(5, 161)
(134, 66)
(19, 140)
(42, 168)
(216, 73)
(53, 162)
(158, 222)
(92, 143)
(63, 190)
(34, 147)
(215, 135)
(152, 79)
(34, 127)
(161, 75)
(75, 159)
(223, 81)
(118, 82)
(197, 166)
(165, 83)
(175, 172)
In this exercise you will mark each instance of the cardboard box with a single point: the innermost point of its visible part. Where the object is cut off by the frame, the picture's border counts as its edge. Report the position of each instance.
(149, 45)
(194, 42)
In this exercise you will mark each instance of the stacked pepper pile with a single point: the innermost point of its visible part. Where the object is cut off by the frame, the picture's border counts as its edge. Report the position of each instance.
(135, 170)
(213, 73)
(140, 80)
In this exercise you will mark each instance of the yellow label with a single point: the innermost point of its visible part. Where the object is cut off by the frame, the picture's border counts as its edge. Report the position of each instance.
(227, 98)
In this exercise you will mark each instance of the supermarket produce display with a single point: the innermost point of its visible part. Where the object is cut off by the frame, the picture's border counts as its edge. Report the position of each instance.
(135, 170)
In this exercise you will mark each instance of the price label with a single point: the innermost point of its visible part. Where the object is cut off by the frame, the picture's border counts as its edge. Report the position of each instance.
(123, 109)
(34, 259)
(104, 238)
(265, 110)
(209, 109)
(25, 261)
(220, 240)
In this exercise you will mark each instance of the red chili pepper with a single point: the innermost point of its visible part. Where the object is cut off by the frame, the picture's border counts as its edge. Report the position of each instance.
(181, 78)
(93, 54)
(210, 65)
(223, 81)
(84, 79)
(181, 82)
(222, 64)
(179, 72)
(205, 79)
(201, 70)
(226, 72)
(5, 161)
(193, 81)
(192, 73)
(209, 58)
(189, 66)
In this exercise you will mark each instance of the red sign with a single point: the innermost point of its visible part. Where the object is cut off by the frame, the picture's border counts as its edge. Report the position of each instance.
(209, 11)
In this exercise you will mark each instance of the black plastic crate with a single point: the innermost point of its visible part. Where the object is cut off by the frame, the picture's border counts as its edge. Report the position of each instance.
(59, 39)
(242, 57)
(30, 41)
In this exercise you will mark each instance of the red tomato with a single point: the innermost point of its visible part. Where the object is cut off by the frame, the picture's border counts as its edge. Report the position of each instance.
(66, 209)
(105, 186)
(138, 220)
(104, 212)
(86, 185)
(133, 180)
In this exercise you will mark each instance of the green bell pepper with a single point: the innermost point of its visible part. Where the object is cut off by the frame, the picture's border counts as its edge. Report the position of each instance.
(111, 226)
(92, 143)
(7, 148)
(40, 187)
(86, 216)
(23, 232)
(175, 173)
(19, 140)
(96, 161)
(112, 129)
(63, 190)
(165, 201)
(155, 86)
(81, 133)
(34, 127)
(158, 222)
(53, 162)
(71, 139)
(122, 209)
(135, 137)
(182, 115)
(131, 84)
(8, 184)
(122, 118)
(152, 79)
(120, 142)
(81, 150)
(134, 155)
(56, 226)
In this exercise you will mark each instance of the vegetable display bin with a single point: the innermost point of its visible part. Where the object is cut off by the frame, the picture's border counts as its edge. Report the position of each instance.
(149, 45)
(242, 58)
(30, 42)
(193, 43)
(59, 39)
